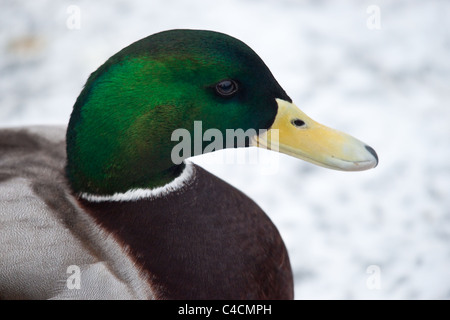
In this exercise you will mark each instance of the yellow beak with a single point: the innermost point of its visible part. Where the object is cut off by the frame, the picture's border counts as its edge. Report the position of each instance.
(297, 135)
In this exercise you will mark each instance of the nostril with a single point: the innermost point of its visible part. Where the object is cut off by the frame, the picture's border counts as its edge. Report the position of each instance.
(372, 152)
(298, 123)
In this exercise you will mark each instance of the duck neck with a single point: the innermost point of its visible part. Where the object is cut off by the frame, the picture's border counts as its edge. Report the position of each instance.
(116, 162)
(185, 178)
(115, 182)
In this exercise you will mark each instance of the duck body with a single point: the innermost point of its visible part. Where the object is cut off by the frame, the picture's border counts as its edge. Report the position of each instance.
(44, 233)
(176, 246)
(222, 248)
(107, 212)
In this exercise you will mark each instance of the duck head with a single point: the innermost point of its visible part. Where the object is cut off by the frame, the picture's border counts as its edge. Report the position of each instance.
(120, 132)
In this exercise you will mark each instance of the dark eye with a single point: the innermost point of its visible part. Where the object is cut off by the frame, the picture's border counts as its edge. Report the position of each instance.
(227, 88)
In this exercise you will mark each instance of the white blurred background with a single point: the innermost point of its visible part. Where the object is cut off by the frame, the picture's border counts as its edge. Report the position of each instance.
(379, 70)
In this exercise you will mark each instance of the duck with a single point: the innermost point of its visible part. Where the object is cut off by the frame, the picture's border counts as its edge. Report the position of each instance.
(111, 207)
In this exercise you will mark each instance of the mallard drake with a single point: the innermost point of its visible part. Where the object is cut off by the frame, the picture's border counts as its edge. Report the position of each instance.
(108, 212)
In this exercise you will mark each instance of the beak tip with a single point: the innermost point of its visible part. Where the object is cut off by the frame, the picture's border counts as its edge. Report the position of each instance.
(373, 153)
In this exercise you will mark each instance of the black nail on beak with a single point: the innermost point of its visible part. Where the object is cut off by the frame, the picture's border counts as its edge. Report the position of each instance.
(372, 152)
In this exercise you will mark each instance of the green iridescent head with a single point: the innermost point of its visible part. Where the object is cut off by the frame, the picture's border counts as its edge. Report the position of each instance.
(119, 135)
(120, 132)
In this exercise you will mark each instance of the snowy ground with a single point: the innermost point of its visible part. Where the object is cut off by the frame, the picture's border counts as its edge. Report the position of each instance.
(388, 87)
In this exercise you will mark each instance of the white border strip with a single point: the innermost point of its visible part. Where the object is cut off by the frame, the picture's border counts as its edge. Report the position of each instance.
(139, 194)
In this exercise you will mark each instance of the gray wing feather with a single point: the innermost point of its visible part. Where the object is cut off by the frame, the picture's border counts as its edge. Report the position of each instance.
(43, 232)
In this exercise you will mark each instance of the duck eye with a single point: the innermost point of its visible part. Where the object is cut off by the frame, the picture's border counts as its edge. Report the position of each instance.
(226, 88)
(298, 123)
